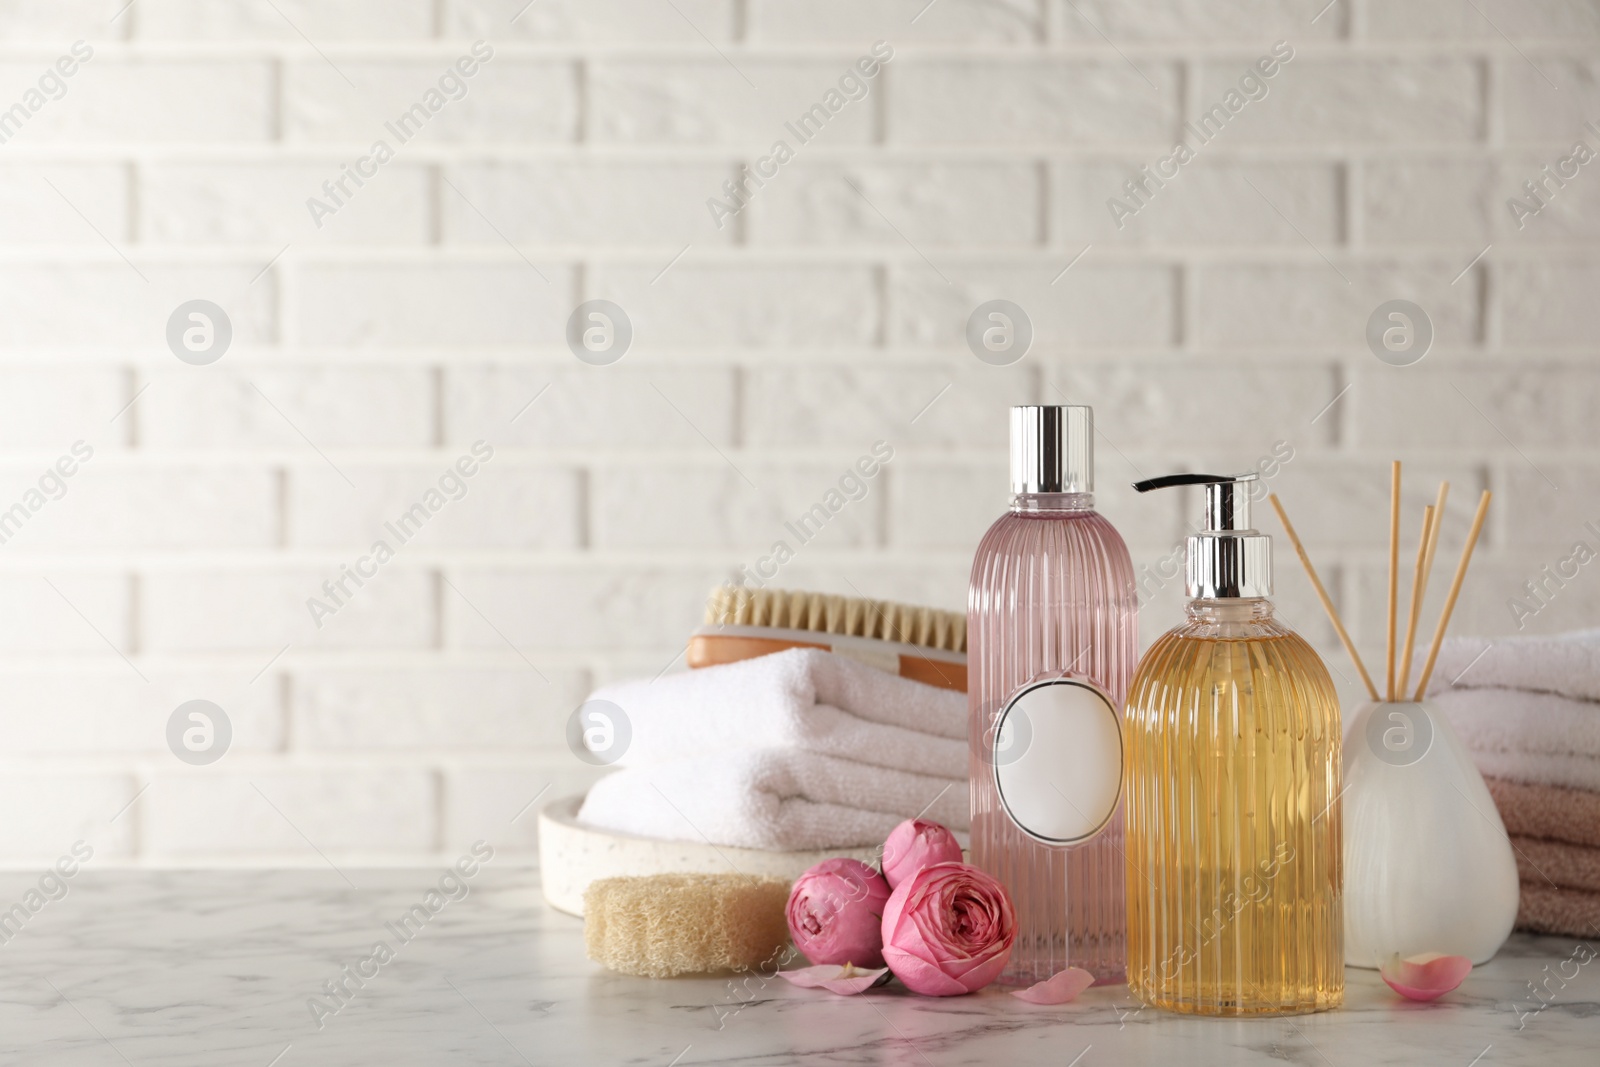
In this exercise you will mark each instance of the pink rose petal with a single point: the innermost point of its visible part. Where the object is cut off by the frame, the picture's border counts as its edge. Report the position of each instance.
(846, 981)
(1426, 977)
(1057, 989)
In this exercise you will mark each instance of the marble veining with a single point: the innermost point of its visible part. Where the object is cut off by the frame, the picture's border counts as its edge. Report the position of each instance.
(217, 967)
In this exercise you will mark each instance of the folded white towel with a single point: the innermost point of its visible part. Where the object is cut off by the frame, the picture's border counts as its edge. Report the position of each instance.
(780, 799)
(1540, 768)
(1568, 664)
(803, 699)
(1519, 722)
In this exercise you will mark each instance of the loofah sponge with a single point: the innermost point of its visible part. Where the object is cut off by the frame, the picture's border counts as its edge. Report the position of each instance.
(660, 925)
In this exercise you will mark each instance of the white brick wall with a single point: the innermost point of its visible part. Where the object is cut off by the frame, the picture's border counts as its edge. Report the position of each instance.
(369, 353)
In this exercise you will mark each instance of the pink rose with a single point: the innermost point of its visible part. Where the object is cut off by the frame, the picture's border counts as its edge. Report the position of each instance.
(836, 913)
(915, 844)
(948, 929)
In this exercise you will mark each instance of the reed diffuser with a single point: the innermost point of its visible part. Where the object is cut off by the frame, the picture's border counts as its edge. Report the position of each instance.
(1427, 864)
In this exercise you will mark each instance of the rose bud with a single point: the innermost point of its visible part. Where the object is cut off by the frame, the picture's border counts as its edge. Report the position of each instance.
(948, 930)
(836, 913)
(915, 844)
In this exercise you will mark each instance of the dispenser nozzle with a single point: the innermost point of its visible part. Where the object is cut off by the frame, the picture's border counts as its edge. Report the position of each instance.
(1227, 504)
(1228, 558)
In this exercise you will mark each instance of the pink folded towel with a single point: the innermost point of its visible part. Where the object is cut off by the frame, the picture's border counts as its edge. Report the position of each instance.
(1547, 910)
(1555, 863)
(1570, 815)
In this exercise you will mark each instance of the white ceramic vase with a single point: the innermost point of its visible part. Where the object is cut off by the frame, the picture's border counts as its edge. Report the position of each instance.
(1427, 864)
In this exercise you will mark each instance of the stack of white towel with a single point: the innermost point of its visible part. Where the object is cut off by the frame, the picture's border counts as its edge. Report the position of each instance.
(797, 750)
(1527, 707)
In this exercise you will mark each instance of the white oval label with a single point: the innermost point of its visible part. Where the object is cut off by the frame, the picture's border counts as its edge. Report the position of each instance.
(1058, 760)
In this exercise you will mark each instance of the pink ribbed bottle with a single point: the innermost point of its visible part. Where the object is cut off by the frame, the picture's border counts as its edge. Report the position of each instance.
(1052, 590)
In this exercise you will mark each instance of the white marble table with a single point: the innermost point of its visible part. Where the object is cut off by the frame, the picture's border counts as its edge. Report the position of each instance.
(216, 967)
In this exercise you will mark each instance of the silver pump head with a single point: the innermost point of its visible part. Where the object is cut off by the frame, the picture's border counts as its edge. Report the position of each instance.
(1229, 558)
(1052, 448)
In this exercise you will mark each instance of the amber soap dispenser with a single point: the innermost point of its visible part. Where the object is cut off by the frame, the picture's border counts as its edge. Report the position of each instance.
(1230, 794)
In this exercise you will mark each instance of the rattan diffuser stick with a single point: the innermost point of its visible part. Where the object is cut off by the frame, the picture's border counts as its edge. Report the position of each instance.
(1425, 576)
(1455, 591)
(1419, 583)
(1322, 594)
(1394, 578)
(1433, 540)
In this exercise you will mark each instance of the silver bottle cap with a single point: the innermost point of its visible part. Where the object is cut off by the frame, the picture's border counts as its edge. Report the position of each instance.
(1052, 448)
(1229, 558)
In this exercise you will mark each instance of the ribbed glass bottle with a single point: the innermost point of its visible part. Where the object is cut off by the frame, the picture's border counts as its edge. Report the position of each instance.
(1232, 737)
(1052, 590)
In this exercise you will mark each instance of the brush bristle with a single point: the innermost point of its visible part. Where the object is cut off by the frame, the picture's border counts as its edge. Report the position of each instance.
(783, 609)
